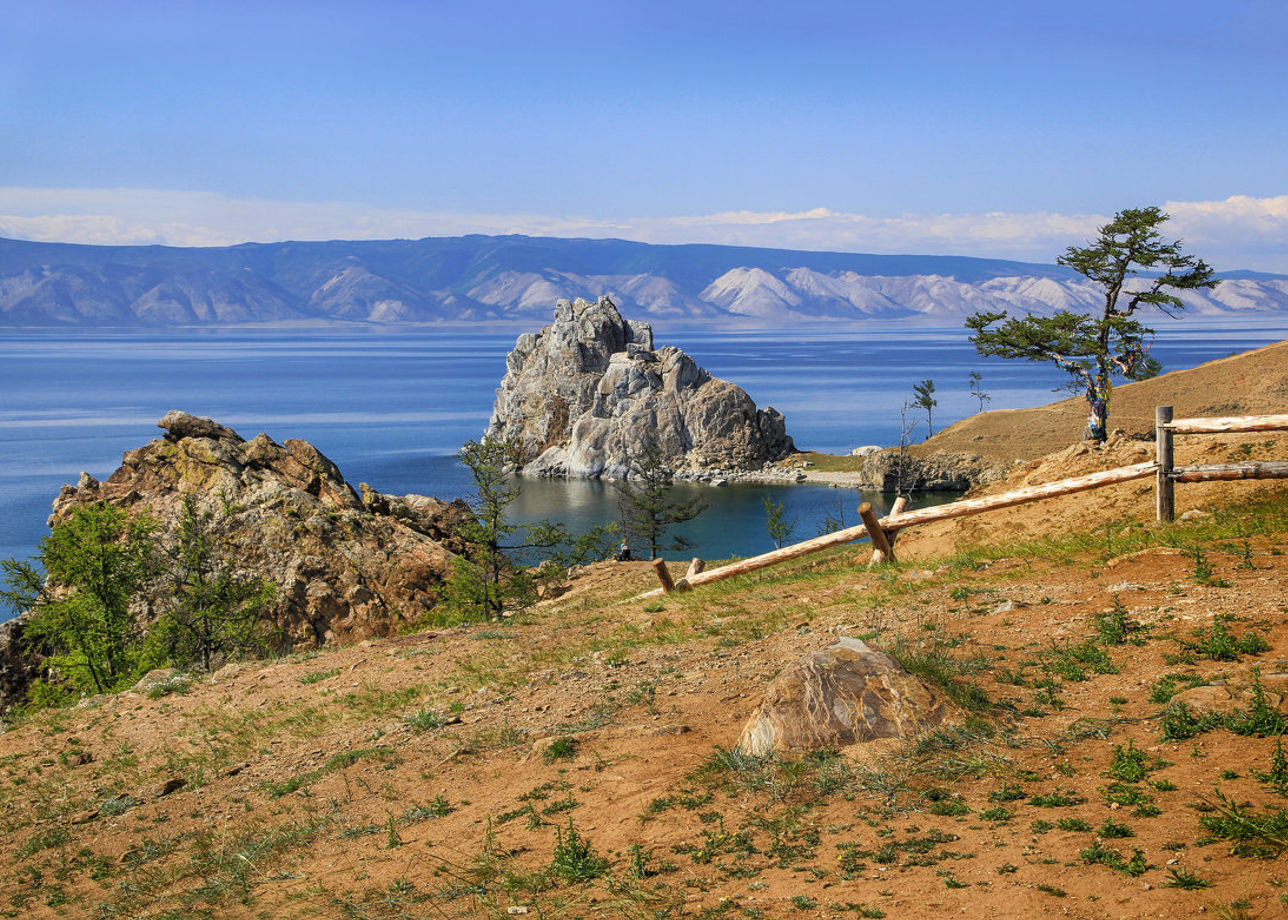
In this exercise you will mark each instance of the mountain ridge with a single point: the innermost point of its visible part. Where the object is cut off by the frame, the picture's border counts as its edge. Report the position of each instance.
(498, 278)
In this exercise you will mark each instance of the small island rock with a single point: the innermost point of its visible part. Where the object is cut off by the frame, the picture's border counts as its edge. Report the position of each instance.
(583, 396)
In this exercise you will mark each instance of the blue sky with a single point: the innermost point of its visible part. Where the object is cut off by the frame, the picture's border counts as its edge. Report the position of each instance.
(1004, 128)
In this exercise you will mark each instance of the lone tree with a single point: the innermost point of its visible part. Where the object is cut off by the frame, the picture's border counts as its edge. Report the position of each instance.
(924, 398)
(485, 581)
(82, 619)
(977, 389)
(1095, 347)
(215, 610)
(644, 501)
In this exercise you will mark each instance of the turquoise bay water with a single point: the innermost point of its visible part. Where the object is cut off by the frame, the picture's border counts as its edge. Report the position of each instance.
(391, 406)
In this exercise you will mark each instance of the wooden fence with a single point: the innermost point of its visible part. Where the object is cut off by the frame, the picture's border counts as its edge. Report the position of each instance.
(883, 531)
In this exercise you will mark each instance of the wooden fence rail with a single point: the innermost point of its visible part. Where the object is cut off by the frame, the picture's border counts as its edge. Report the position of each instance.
(1167, 475)
(1165, 427)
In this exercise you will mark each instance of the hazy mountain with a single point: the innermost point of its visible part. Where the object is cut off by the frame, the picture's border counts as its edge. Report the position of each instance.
(480, 278)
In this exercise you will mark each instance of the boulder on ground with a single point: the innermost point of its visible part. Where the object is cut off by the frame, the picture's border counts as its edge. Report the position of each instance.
(845, 694)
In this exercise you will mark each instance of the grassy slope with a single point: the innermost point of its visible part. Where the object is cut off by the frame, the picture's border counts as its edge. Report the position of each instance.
(461, 773)
(1254, 382)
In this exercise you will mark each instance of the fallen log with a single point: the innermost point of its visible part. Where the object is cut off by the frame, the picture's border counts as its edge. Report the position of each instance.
(920, 516)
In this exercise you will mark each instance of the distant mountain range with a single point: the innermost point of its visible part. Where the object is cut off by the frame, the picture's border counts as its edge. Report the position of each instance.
(501, 278)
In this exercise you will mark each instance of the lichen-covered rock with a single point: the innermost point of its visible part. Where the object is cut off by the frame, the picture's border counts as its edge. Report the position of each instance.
(347, 566)
(845, 694)
(584, 395)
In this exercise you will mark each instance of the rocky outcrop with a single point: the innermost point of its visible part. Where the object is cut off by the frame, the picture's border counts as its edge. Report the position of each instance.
(583, 396)
(347, 565)
(940, 471)
(845, 694)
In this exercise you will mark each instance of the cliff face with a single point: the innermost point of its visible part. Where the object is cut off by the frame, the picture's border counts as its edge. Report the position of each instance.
(347, 565)
(583, 396)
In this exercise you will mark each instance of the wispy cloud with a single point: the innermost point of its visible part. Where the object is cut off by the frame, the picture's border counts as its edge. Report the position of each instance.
(1238, 232)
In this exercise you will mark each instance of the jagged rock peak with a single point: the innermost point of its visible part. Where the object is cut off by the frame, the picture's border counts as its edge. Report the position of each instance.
(583, 396)
(179, 425)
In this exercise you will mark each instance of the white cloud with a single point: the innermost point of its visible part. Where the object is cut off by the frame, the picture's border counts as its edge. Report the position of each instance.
(1239, 232)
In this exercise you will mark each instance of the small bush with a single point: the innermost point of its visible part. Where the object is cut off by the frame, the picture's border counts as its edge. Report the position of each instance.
(560, 749)
(1129, 765)
(575, 859)
(1181, 722)
(1184, 879)
(1061, 798)
(1218, 643)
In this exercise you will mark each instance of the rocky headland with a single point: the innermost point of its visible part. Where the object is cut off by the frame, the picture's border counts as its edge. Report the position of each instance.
(347, 563)
(584, 396)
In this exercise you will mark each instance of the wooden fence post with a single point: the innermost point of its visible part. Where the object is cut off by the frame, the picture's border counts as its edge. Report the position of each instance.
(899, 507)
(664, 575)
(881, 550)
(1166, 488)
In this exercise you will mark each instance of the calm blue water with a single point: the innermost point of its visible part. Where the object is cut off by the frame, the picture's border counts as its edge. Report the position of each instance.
(391, 406)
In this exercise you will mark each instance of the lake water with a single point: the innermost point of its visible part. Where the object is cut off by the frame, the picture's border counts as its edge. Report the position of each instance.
(391, 406)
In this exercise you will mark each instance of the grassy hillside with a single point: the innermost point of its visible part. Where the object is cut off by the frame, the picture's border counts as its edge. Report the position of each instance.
(1250, 383)
(578, 760)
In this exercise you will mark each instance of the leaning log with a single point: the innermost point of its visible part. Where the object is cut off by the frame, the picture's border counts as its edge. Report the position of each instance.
(880, 541)
(878, 557)
(664, 576)
(1214, 472)
(920, 516)
(1229, 424)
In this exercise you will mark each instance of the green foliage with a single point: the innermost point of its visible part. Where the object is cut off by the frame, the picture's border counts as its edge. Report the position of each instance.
(1219, 643)
(1277, 776)
(1258, 717)
(1112, 829)
(1095, 347)
(214, 611)
(1169, 685)
(1115, 626)
(485, 582)
(1179, 877)
(560, 749)
(1128, 765)
(929, 659)
(1254, 833)
(96, 561)
(575, 859)
(776, 525)
(647, 508)
(1061, 798)
(1181, 722)
(1102, 855)
(1011, 792)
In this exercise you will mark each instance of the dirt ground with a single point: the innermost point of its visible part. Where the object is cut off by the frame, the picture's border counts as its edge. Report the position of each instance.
(485, 770)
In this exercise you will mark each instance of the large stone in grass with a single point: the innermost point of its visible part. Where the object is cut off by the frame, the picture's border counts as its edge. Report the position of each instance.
(845, 694)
